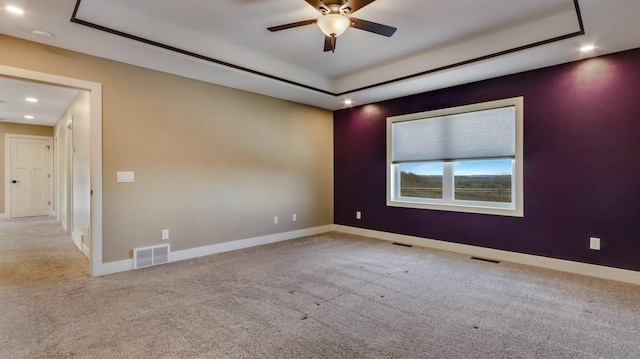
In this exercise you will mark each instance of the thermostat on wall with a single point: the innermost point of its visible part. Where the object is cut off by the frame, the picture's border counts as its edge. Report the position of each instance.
(126, 177)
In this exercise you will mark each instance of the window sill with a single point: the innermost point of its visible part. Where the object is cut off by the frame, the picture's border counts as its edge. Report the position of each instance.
(476, 208)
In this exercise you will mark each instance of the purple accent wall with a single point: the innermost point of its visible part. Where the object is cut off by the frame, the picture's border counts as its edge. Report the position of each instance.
(581, 164)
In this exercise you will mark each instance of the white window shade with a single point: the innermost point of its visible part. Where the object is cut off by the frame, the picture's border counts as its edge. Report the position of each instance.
(479, 134)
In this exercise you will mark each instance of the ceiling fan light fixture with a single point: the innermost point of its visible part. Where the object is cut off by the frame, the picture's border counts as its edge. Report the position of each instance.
(333, 24)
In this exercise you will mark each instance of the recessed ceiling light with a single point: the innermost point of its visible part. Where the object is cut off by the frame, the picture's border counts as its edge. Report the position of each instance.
(28, 117)
(587, 48)
(348, 102)
(14, 10)
(31, 99)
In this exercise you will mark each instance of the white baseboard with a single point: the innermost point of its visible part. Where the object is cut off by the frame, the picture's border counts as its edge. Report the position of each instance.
(113, 267)
(591, 270)
(127, 264)
(4, 215)
(245, 243)
(86, 250)
(76, 235)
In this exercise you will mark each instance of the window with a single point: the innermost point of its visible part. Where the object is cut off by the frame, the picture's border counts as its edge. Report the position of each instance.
(466, 159)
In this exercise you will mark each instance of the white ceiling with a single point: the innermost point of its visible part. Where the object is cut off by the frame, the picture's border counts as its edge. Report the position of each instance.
(438, 43)
(52, 102)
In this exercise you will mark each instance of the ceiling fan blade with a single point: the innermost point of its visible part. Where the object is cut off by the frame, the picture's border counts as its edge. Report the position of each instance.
(292, 25)
(327, 43)
(376, 28)
(318, 5)
(355, 5)
(330, 43)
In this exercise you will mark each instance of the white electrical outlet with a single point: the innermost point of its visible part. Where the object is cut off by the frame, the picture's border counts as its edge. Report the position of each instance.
(275, 220)
(165, 234)
(594, 243)
(294, 217)
(358, 215)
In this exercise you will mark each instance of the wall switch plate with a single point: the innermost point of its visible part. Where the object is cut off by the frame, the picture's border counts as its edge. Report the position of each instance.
(594, 243)
(294, 217)
(165, 234)
(358, 215)
(126, 177)
(275, 220)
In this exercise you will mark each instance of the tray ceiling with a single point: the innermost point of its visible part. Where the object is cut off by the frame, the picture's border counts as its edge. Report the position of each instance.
(438, 43)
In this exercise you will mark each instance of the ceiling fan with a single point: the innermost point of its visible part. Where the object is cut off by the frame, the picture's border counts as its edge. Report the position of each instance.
(336, 19)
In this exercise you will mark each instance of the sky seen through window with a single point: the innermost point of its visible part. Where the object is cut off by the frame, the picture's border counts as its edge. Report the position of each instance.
(463, 168)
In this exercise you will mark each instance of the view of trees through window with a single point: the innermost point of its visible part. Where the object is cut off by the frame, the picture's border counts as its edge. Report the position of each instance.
(484, 180)
(489, 188)
(420, 186)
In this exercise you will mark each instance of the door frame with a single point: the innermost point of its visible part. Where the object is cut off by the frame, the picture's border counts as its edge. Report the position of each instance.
(96, 266)
(67, 152)
(7, 170)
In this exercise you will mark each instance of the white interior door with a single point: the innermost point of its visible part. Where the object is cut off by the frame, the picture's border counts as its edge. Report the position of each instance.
(30, 177)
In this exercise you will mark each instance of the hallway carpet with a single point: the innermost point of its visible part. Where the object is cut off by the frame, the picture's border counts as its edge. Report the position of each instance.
(37, 249)
(325, 296)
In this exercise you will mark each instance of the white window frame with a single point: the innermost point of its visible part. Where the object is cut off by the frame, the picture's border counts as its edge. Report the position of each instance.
(515, 208)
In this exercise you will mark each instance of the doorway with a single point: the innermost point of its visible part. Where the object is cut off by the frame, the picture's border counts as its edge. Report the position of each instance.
(92, 155)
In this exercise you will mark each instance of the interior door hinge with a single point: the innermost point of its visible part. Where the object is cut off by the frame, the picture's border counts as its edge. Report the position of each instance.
(49, 175)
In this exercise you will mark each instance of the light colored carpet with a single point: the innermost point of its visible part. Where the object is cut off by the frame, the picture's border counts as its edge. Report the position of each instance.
(325, 296)
(38, 249)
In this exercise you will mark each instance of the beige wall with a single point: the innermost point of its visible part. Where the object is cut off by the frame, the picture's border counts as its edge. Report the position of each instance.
(211, 164)
(18, 129)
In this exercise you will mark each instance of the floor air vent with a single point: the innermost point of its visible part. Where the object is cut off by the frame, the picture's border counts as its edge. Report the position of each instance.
(150, 256)
(402, 244)
(486, 260)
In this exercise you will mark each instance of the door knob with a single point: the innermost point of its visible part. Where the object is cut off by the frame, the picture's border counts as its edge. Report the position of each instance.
(14, 181)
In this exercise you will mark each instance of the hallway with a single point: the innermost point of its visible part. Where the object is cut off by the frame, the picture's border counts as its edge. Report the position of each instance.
(37, 249)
